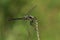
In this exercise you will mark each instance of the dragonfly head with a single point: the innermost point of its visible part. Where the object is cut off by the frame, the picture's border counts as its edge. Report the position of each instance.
(29, 17)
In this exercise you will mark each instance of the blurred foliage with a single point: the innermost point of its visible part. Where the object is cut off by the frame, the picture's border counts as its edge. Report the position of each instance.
(47, 12)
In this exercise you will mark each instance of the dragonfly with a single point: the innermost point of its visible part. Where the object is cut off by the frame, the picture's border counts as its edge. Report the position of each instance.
(27, 16)
(33, 20)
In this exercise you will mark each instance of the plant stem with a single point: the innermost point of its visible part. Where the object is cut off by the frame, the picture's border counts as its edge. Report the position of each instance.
(37, 30)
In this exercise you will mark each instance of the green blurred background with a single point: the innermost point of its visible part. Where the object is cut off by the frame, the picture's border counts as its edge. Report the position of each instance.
(47, 12)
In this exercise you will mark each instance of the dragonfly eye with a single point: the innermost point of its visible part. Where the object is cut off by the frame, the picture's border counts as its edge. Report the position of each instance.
(30, 17)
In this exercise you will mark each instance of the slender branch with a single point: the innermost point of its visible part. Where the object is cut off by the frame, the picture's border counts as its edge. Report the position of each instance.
(37, 30)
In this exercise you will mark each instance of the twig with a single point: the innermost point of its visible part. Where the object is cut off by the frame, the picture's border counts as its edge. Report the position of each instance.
(37, 30)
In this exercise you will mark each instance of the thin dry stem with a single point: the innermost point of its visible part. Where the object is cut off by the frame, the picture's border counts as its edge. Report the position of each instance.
(37, 30)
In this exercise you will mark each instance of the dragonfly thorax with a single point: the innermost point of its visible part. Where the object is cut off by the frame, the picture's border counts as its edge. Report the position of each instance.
(29, 17)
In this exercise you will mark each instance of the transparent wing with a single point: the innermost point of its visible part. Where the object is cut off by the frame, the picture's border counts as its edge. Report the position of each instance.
(30, 10)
